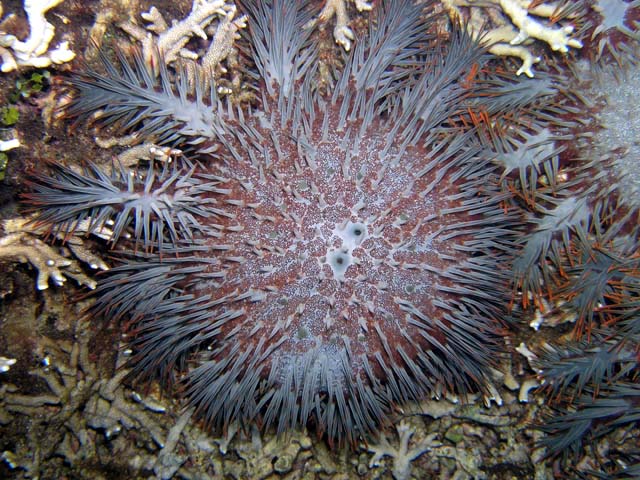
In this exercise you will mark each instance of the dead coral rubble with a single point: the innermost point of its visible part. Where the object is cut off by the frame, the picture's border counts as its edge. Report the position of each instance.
(34, 50)
(513, 27)
(166, 44)
(22, 243)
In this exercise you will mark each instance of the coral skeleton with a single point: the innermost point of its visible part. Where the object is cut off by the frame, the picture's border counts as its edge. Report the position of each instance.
(22, 242)
(342, 33)
(519, 22)
(403, 454)
(6, 363)
(146, 152)
(528, 385)
(6, 145)
(34, 50)
(166, 44)
(83, 403)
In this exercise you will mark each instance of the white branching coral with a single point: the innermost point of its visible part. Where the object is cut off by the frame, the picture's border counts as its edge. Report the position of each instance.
(136, 151)
(515, 23)
(169, 43)
(403, 454)
(342, 32)
(34, 50)
(6, 363)
(21, 244)
(10, 144)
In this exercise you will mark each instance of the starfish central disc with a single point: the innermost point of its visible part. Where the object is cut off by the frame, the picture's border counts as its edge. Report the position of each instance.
(332, 245)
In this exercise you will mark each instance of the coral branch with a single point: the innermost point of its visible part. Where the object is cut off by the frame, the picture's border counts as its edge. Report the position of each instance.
(22, 244)
(403, 455)
(6, 363)
(513, 29)
(162, 43)
(342, 33)
(34, 50)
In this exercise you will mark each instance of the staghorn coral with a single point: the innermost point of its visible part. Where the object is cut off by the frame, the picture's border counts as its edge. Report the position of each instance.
(34, 50)
(21, 243)
(402, 455)
(87, 408)
(6, 145)
(164, 44)
(6, 363)
(519, 21)
(342, 33)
